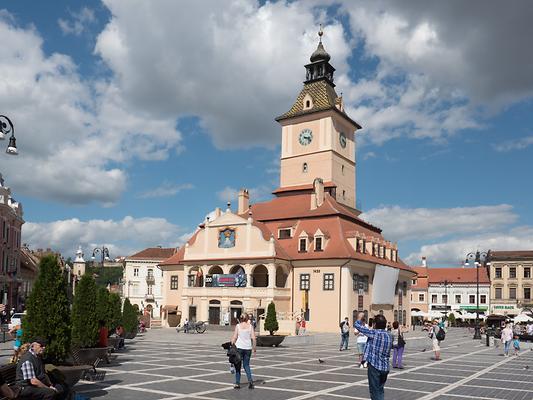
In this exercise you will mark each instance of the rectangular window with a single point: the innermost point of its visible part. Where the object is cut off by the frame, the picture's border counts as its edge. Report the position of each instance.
(318, 244)
(483, 299)
(303, 245)
(190, 280)
(445, 298)
(329, 281)
(472, 299)
(527, 272)
(512, 272)
(149, 291)
(512, 293)
(527, 293)
(457, 299)
(304, 282)
(285, 233)
(433, 298)
(421, 297)
(498, 293)
(174, 282)
(413, 282)
(135, 271)
(498, 272)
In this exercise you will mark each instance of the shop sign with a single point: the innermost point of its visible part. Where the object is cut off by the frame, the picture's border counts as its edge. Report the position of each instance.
(481, 308)
(503, 307)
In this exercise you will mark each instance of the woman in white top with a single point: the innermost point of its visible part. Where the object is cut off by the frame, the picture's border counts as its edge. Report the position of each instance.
(361, 343)
(244, 339)
(507, 339)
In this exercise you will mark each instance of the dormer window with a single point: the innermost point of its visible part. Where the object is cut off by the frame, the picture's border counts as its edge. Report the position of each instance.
(318, 244)
(302, 245)
(307, 102)
(304, 168)
(285, 233)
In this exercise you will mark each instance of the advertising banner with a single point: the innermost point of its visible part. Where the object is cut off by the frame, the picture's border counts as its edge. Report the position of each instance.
(225, 280)
(384, 283)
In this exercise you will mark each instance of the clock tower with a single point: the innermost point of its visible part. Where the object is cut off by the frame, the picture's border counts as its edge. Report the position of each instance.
(317, 136)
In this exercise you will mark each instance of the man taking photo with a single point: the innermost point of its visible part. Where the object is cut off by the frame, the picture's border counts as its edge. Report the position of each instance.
(377, 354)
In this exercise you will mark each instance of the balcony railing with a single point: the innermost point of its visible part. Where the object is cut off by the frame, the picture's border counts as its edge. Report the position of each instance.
(150, 279)
(149, 297)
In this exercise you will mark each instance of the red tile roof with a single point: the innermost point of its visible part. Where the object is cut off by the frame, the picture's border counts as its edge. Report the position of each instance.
(154, 253)
(337, 223)
(457, 275)
(421, 279)
(301, 188)
(514, 255)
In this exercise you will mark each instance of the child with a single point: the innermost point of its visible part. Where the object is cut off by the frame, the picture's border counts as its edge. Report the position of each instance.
(516, 345)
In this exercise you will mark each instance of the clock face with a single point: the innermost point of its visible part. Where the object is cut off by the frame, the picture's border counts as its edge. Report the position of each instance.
(306, 136)
(342, 139)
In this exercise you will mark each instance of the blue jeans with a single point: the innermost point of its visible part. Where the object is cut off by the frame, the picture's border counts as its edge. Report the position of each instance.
(506, 347)
(397, 355)
(344, 340)
(245, 355)
(376, 383)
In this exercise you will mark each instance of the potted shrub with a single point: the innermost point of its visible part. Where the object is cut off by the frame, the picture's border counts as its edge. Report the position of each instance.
(130, 320)
(48, 311)
(271, 325)
(85, 322)
(114, 311)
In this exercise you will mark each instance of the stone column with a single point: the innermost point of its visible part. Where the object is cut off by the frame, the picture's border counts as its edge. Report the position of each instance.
(346, 291)
(271, 276)
(248, 269)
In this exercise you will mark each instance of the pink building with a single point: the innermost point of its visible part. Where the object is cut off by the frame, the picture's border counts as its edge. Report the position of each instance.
(11, 224)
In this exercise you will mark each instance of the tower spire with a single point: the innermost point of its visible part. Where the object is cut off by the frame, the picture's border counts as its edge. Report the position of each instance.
(320, 33)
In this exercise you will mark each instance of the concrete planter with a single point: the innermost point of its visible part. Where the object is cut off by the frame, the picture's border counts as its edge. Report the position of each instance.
(90, 355)
(130, 335)
(270, 340)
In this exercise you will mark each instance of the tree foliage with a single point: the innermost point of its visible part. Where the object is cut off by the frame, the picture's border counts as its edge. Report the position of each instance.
(129, 317)
(106, 275)
(102, 305)
(48, 311)
(114, 311)
(84, 316)
(451, 319)
(271, 321)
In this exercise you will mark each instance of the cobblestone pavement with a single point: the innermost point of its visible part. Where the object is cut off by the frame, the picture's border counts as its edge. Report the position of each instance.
(164, 365)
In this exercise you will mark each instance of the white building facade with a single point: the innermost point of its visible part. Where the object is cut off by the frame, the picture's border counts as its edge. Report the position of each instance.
(143, 280)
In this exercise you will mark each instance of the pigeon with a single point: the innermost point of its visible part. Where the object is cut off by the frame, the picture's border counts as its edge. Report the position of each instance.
(320, 361)
(423, 350)
(526, 367)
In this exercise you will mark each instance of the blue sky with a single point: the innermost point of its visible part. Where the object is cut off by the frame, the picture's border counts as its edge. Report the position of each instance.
(136, 119)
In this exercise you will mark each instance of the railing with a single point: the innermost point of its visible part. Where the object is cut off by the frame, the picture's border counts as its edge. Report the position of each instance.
(149, 297)
(150, 279)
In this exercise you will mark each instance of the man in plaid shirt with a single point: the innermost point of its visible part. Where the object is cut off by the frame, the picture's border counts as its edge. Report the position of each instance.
(377, 354)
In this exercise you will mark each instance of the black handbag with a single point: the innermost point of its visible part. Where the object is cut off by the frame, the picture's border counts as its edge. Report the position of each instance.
(401, 340)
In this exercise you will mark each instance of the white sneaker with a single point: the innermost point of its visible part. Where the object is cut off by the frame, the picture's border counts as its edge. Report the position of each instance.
(366, 365)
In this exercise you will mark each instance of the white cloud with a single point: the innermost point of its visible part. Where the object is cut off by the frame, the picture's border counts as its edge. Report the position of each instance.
(74, 136)
(165, 190)
(122, 237)
(78, 22)
(518, 144)
(423, 223)
(453, 252)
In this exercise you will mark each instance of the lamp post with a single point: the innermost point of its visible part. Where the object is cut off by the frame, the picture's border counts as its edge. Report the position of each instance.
(480, 259)
(104, 253)
(6, 128)
(445, 300)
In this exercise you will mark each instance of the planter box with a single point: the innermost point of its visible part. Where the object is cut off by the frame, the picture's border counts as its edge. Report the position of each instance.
(90, 355)
(269, 341)
(71, 373)
(130, 335)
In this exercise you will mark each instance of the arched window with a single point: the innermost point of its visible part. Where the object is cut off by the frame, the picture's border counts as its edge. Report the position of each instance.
(281, 277)
(214, 302)
(307, 104)
(215, 269)
(304, 167)
(260, 276)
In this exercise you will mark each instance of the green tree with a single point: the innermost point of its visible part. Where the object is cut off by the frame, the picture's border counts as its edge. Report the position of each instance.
(48, 310)
(114, 311)
(271, 321)
(105, 275)
(102, 305)
(84, 317)
(129, 317)
(451, 319)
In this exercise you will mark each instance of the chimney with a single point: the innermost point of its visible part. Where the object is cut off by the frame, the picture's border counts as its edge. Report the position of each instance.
(244, 201)
(424, 263)
(317, 198)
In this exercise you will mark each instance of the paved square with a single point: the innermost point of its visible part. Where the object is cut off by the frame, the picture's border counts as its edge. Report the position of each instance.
(162, 364)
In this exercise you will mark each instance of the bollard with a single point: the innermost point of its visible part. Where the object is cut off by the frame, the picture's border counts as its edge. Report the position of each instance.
(488, 340)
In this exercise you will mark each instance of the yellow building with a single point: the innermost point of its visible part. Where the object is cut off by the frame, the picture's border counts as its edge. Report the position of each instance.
(306, 250)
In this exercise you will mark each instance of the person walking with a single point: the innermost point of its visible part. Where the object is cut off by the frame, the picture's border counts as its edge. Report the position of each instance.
(303, 327)
(244, 339)
(345, 334)
(433, 332)
(507, 338)
(398, 344)
(16, 334)
(377, 354)
(361, 343)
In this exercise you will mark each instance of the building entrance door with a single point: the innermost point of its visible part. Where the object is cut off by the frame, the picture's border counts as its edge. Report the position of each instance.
(235, 314)
(214, 315)
(192, 313)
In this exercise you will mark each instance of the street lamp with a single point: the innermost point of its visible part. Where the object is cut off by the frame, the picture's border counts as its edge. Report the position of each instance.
(6, 127)
(445, 300)
(104, 253)
(480, 259)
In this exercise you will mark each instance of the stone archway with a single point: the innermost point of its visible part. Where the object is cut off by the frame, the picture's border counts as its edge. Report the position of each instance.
(215, 269)
(260, 276)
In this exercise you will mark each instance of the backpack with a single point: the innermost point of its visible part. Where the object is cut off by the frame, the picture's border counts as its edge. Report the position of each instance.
(401, 340)
(441, 335)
